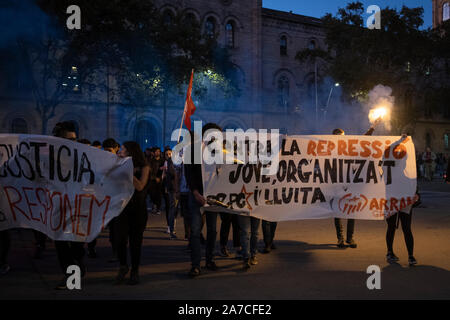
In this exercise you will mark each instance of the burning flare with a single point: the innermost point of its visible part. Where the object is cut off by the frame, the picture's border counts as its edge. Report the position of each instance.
(378, 113)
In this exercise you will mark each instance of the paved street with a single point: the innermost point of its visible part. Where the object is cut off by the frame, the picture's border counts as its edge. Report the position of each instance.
(306, 265)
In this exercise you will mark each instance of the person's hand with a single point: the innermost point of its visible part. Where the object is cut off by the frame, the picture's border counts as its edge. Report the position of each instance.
(376, 122)
(158, 180)
(199, 198)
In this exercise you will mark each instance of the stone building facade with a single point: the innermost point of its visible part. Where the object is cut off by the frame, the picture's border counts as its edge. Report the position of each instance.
(276, 90)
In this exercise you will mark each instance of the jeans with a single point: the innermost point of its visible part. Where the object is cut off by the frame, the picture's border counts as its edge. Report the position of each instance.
(229, 219)
(184, 208)
(171, 210)
(249, 235)
(195, 218)
(268, 229)
(130, 224)
(340, 229)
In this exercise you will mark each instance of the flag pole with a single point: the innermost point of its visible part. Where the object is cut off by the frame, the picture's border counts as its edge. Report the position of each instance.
(184, 113)
(181, 124)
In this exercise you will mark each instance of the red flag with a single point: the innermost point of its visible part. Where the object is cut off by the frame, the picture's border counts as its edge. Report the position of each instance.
(189, 107)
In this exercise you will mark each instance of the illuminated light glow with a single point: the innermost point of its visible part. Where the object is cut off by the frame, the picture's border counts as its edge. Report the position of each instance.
(378, 113)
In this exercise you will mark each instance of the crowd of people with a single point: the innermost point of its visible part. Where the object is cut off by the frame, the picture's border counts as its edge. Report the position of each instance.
(432, 165)
(157, 178)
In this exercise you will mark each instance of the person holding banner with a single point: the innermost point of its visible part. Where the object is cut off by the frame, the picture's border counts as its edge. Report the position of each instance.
(171, 191)
(131, 223)
(392, 222)
(68, 252)
(350, 222)
(193, 174)
(112, 146)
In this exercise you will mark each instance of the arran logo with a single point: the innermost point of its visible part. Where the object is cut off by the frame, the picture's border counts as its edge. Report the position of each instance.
(349, 203)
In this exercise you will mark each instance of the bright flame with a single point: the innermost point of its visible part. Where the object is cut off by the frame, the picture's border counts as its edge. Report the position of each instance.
(377, 113)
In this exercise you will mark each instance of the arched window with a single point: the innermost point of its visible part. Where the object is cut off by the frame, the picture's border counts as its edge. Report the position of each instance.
(312, 45)
(283, 92)
(446, 141)
(283, 46)
(446, 11)
(167, 17)
(190, 19)
(210, 27)
(146, 134)
(428, 140)
(19, 125)
(230, 34)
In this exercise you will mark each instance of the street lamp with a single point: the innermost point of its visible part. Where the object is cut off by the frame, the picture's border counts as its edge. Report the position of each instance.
(329, 97)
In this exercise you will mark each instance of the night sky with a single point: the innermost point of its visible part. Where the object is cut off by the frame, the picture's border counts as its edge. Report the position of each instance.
(318, 8)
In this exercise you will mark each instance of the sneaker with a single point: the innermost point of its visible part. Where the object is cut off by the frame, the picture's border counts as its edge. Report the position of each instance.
(173, 236)
(351, 243)
(157, 212)
(412, 261)
(134, 278)
(267, 249)
(253, 261)
(4, 268)
(246, 265)
(224, 252)
(195, 272)
(123, 270)
(168, 230)
(62, 285)
(391, 257)
(212, 266)
(341, 244)
(273, 247)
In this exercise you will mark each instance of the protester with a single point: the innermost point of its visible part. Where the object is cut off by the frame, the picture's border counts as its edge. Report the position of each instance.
(249, 240)
(5, 245)
(429, 158)
(194, 180)
(183, 200)
(228, 220)
(112, 146)
(350, 222)
(68, 252)
(155, 180)
(131, 223)
(96, 144)
(92, 252)
(268, 229)
(392, 222)
(171, 191)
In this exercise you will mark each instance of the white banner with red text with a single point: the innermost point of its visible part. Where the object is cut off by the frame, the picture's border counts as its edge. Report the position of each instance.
(350, 177)
(65, 189)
